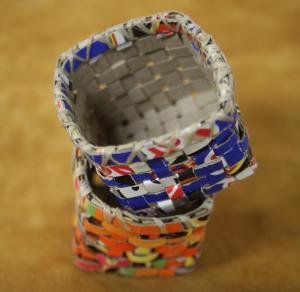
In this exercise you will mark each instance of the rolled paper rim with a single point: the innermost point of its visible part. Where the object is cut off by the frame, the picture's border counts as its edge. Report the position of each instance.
(211, 57)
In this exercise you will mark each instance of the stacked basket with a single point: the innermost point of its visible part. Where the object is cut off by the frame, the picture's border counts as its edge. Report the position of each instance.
(149, 106)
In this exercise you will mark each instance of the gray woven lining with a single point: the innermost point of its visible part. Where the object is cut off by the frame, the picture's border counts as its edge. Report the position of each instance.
(151, 88)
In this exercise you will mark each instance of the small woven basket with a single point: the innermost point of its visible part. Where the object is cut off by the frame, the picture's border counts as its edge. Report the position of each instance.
(109, 239)
(150, 104)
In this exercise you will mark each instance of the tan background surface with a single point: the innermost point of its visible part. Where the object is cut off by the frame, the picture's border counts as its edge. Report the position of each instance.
(253, 242)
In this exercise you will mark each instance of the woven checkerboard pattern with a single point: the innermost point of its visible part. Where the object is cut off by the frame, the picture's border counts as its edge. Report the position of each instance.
(153, 87)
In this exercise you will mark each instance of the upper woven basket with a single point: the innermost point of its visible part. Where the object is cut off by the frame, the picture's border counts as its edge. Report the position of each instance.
(144, 89)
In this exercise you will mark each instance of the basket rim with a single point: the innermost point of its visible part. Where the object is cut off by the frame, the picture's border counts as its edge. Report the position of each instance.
(214, 61)
(80, 164)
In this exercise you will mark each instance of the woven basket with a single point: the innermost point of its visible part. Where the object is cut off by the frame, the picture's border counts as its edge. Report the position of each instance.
(110, 239)
(150, 104)
(150, 107)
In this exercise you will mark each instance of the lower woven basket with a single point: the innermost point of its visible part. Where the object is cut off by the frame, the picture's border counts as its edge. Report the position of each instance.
(109, 239)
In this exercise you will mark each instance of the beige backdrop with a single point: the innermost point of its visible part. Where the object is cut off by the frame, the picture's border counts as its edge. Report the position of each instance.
(253, 241)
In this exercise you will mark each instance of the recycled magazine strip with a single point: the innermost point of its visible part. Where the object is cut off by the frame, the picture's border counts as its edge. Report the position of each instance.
(150, 104)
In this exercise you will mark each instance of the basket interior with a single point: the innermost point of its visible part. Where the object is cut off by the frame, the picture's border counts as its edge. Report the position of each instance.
(154, 86)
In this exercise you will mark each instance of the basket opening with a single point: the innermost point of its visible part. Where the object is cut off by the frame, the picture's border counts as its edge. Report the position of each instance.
(153, 87)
